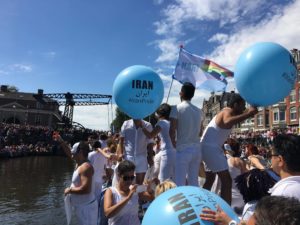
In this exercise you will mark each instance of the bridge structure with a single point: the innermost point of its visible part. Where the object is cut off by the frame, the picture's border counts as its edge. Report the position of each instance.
(69, 100)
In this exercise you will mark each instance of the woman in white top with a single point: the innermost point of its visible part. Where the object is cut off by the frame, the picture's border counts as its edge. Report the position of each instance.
(236, 166)
(167, 152)
(121, 202)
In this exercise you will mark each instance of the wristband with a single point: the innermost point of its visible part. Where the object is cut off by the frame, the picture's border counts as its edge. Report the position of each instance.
(232, 222)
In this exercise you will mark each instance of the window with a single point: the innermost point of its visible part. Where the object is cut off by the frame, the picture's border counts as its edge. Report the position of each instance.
(259, 120)
(276, 115)
(293, 96)
(282, 115)
(37, 119)
(293, 113)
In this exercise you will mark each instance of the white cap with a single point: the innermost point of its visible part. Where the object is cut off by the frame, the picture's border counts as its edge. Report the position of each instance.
(227, 147)
(75, 149)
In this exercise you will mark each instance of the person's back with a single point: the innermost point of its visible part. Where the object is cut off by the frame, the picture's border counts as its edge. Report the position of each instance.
(185, 120)
(98, 161)
(188, 125)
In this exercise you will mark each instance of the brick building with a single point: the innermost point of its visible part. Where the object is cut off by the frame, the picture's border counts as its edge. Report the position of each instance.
(28, 108)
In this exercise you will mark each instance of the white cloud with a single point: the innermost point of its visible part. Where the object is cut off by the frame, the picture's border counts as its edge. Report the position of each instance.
(282, 28)
(219, 38)
(18, 67)
(50, 54)
(235, 14)
(158, 2)
(93, 117)
(169, 50)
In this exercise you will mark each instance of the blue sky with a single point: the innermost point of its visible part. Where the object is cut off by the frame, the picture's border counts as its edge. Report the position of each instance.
(81, 46)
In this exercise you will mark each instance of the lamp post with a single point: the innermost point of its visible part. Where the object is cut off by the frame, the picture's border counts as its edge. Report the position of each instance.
(14, 114)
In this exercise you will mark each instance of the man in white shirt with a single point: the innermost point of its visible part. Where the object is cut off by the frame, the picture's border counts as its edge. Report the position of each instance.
(185, 126)
(134, 146)
(286, 163)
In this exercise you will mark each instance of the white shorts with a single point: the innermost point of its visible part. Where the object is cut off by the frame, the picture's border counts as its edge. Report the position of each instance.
(214, 158)
(140, 162)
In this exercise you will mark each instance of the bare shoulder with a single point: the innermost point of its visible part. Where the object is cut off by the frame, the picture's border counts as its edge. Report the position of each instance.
(86, 168)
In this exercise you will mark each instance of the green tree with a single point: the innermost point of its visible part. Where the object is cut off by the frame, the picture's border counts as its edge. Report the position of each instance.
(119, 120)
(12, 88)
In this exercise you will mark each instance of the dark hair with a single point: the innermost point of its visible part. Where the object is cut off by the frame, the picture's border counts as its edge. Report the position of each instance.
(188, 90)
(125, 166)
(235, 147)
(252, 149)
(164, 110)
(254, 184)
(288, 146)
(103, 136)
(96, 144)
(273, 210)
(234, 98)
(84, 148)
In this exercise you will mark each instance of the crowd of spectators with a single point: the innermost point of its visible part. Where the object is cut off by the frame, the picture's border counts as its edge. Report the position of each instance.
(21, 140)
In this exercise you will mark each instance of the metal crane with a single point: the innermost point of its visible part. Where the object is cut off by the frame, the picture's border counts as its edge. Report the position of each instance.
(69, 100)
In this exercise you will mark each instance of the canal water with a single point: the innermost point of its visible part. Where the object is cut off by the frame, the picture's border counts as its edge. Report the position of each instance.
(31, 190)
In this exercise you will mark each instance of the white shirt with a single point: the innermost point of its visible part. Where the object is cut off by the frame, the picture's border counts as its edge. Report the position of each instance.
(188, 124)
(135, 141)
(98, 161)
(165, 140)
(289, 187)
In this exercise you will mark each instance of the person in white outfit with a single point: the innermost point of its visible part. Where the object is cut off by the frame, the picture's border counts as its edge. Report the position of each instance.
(81, 191)
(185, 127)
(213, 138)
(286, 163)
(134, 145)
(236, 166)
(121, 202)
(167, 152)
(98, 159)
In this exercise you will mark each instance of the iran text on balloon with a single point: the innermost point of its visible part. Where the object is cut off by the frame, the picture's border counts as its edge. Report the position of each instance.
(182, 203)
(142, 84)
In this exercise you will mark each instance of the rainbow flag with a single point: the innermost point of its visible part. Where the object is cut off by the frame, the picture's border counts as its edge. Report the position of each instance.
(201, 72)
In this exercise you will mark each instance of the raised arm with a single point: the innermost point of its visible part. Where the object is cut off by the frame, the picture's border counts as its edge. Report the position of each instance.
(111, 209)
(153, 133)
(120, 148)
(226, 119)
(66, 148)
(172, 131)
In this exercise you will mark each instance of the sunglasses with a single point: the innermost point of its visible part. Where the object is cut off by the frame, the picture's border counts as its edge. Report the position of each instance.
(128, 178)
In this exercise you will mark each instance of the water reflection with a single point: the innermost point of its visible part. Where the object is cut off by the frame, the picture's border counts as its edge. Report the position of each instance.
(31, 190)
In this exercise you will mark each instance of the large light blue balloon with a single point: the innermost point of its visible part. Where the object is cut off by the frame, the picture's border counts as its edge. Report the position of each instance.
(265, 74)
(183, 205)
(138, 91)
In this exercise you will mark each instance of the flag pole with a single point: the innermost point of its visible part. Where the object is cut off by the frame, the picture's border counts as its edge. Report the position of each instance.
(180, 47)
(170, 90)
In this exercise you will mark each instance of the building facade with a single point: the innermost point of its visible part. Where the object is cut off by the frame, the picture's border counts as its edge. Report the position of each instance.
(28, 108)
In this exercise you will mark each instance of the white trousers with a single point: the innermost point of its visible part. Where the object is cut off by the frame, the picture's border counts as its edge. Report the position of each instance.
(166, 165)
(87, 214)
(187, 166)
